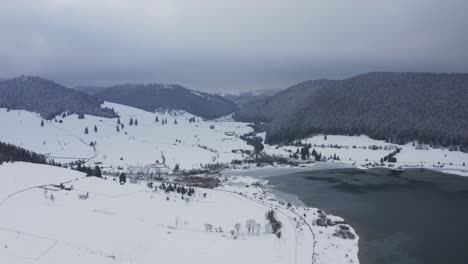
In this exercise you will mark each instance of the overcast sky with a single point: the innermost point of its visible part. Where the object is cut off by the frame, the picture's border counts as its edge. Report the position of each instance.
(217, 45)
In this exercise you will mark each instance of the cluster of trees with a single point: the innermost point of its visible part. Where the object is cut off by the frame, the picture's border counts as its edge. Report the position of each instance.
(133, 122)
(119, 125)
(391, 157)
(192, 120)
(178, 189)
(96, 171)
(274, 222)
(86, 131)
(344, 232)
(305, 154)
(255, 142)
(323, 219)
(164, 121)
(9, 153)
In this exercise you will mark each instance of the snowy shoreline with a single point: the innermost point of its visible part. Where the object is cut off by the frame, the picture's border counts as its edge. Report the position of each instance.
(324, 236)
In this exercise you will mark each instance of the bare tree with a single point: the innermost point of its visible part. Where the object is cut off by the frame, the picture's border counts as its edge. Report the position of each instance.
(237, 227)
(250, 225)
(208, 227)
(257, 228)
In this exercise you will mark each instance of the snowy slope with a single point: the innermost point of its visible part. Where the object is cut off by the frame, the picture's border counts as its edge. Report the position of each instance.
(196, 142)
(190, 144)
(133, 224)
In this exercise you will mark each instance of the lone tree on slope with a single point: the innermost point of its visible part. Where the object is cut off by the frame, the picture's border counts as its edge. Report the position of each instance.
(122, 178)
(86, 130)
(95, 128)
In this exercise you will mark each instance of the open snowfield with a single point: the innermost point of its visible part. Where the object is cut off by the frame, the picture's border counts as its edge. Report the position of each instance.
(184, 143)
(133, 224)
(409, 157)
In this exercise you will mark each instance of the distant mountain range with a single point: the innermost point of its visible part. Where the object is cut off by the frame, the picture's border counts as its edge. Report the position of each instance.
(267, 108)
(150, 97)
(91, 90)
(47, 98)
(399, 107)
(247, 98)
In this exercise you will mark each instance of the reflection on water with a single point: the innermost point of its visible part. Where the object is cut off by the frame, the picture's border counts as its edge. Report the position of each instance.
(411, 216)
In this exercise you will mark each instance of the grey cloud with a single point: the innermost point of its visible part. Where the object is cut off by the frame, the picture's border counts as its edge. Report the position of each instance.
(228, 45)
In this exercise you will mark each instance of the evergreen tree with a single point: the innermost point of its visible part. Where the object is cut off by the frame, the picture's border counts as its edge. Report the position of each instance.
(175, 121)
(156, 119)
(95, 128)
(122, 178)
(86, 130)
(130, 122)
(136, 122)
(42, 123)
(118, 121)
(118, 129)
(97, 172)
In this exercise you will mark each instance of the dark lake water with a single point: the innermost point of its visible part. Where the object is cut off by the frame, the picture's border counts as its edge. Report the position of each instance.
(411, 216)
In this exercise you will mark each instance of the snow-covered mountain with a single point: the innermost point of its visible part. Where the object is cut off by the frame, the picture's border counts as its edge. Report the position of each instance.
(154, 96)
(47, 98)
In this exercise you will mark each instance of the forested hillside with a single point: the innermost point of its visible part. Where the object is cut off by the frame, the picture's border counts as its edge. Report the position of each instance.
(47, 98)
(266, 109)
(9, 152)
(150, 97)
(399, 107)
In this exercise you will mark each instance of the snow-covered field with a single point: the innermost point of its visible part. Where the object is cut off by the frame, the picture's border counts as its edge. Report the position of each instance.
(354, 150)
(187, 144)
(131, 223)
